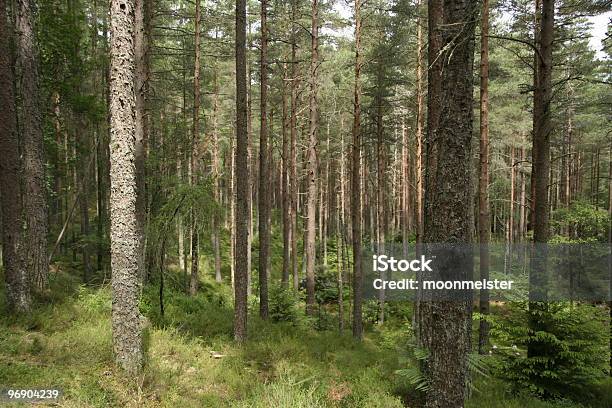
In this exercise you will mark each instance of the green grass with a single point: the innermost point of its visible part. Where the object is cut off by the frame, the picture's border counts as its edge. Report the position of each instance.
(66, 343)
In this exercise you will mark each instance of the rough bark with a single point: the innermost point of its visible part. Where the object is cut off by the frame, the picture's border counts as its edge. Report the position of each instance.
(241, 179)
(311, 206)
(443, 327)
(13, 239)
(264, 169)
(126, 319)
(536, 66)
(30, 127)
(541, 171)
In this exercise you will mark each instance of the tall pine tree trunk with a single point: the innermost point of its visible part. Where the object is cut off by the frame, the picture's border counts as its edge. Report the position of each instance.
(443, 328)
(141, 44)
(30, 127)
(195, 146)
(241, 179)
(356, 183)
(311, 206)
(286, 188)
(541, 171)
(215, 179)
(484, 221)
(126, 319)
(264, 170)
(11, 195)
(294, 183)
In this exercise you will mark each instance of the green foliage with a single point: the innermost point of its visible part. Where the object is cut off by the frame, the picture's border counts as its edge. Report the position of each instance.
(283, 304)
(575, 342)
(583, 221)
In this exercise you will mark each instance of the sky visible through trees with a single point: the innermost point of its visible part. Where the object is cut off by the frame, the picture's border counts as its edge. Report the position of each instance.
(191, 193)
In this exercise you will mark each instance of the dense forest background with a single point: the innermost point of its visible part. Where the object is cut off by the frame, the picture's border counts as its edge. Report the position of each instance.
(187, 188)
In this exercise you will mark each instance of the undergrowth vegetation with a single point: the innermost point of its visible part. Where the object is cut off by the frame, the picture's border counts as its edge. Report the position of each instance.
(193, 362)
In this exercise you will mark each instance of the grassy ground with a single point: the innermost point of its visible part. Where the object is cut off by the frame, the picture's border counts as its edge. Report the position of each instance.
(66, 343)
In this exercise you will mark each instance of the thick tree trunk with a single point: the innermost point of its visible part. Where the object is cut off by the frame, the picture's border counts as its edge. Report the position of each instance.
(448, 195)
(311, 206)
(13, 239)
(126, 319)
(356, 183)
(484, 221)
(30, 123)
(264, 170)
(541, 171)
(242, 179)
(536, 67)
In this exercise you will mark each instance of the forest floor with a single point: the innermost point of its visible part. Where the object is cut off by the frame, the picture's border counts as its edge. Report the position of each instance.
(193, 362)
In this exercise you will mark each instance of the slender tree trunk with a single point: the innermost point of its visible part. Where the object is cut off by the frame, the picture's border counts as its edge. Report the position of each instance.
(232, 205)
(356, 183)
(340, 266)
(141, 43)
(126, 318)
(286, 190)
(242, 179)
(294, 183)
(448, 195)
(512, 197)
(610, 242)
(249, 161)
(215, 179)
(30, 127)
(195, 154)
(420, 119)
(381, 185)
(406, 199)
(83, 180)
(484, 221)
(18, 297)
(311, 206)
(264, 170)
